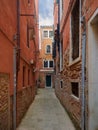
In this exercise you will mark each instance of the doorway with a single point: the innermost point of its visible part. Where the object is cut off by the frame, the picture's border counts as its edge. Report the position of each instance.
(48, 81)
(93, 71)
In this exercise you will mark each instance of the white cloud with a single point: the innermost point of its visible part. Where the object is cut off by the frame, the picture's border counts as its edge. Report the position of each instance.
(46, 12)
(45, 21)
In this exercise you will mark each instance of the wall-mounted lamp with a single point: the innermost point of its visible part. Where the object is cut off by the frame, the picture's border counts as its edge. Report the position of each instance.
(15, 37)
(28, 2)
(31, 61)
(35, 69)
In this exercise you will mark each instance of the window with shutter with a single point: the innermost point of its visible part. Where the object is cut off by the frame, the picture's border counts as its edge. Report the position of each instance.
(51, 63)
(45, 64)
(48, 49)
(75, 88)
(75, 30)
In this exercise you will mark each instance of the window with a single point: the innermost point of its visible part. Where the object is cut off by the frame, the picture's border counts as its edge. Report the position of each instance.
(28, 77)
(61, 55)
(48, 63)
(50, 34)
(75, 30)
(45, 63)
(51, 63)
(75, 88)
(31, 34)
(24, 69)
(28, 1)
(27, 35)
(56, 1)
(48, 49)
(61, 83)
(45, 34)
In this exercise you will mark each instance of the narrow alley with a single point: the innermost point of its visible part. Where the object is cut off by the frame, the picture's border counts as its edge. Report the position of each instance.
(48, 64)
(46, 113)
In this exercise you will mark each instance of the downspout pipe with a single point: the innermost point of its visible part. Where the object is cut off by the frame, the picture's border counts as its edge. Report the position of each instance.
(18, 35)
(58, 26)
(18, 24)
(14, 93)
(16, 62)
(83, 123)
(59, 44)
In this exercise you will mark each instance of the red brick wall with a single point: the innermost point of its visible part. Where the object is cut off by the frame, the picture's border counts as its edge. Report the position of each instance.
(69, 74)
(26, 97)
(72, 72)
(4, 102)
(8, 28)
(55, 14)
(88, 9)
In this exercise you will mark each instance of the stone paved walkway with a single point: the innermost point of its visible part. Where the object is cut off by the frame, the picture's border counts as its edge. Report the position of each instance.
(46, 113)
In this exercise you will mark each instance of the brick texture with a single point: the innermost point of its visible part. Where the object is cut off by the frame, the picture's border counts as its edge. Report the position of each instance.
(69, 74)
(72, 72)
(4, 101)
(24, 99)
(8, 29)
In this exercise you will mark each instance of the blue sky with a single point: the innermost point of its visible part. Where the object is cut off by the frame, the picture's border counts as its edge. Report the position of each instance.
(46, 12)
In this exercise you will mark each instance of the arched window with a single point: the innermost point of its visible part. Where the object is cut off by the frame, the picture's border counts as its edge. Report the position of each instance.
(48, 49)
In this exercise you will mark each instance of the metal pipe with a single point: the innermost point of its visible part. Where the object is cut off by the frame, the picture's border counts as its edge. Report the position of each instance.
(16, 62)
(18, 23)
(83, 73)
(18, 35)
(58, 26)
(58, 32)
(14, 95)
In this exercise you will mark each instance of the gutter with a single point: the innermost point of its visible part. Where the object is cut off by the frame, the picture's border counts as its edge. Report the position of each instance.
(14, 93)
(16, 63)
(58, 26)
(18, 35)
(83, 121)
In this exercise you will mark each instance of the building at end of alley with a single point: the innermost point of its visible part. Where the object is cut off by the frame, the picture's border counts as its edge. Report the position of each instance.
(46, 62)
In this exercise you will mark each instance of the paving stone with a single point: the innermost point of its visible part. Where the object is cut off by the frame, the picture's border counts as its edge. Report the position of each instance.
(46, 113)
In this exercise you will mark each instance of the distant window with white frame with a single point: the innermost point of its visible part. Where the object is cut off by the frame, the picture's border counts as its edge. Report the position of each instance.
(45, 63)
(75, 31)
(61, 55)
(56, 1)
(61, 83)
(48, 49)
(51, 63)
(50, 34)
(48, 63)
(75, 89)
(45, 34)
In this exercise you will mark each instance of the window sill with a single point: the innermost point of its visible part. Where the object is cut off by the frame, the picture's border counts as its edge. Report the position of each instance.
(74, 61)
(45, 37)
(61, 70)
(76, 98)
(48, 53)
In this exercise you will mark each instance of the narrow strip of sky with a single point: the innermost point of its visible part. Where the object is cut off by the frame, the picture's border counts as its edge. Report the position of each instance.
(46, 12)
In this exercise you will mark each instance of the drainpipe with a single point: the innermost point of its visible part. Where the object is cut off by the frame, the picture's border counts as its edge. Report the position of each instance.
(83, 74)
(58, 30)
(18, 35)
(83, 26)
(14, 95)
(16, 62)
